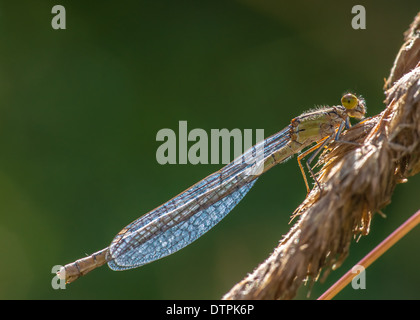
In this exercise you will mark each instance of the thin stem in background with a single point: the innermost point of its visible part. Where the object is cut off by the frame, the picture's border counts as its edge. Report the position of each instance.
(380, 249)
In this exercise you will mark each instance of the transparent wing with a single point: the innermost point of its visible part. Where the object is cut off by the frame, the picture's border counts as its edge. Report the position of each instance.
(179, 236)
(185, 218)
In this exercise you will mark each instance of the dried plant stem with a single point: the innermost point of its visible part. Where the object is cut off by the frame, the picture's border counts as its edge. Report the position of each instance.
(380, 249)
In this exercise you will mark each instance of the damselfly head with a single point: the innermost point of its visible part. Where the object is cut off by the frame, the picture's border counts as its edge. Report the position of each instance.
(356, 107)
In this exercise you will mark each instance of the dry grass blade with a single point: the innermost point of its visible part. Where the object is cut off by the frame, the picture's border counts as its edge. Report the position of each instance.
(409, 55)
(357, 182)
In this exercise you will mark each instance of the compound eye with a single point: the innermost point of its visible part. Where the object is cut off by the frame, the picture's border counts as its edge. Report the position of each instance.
(349, 101)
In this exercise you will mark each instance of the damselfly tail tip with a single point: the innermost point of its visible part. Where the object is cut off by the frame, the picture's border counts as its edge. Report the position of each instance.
(61, 274)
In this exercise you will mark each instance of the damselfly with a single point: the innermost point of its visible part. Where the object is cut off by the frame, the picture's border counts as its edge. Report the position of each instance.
(183, 219)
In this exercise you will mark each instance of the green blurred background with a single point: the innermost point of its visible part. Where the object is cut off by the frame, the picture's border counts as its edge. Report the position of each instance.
(80, 109)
